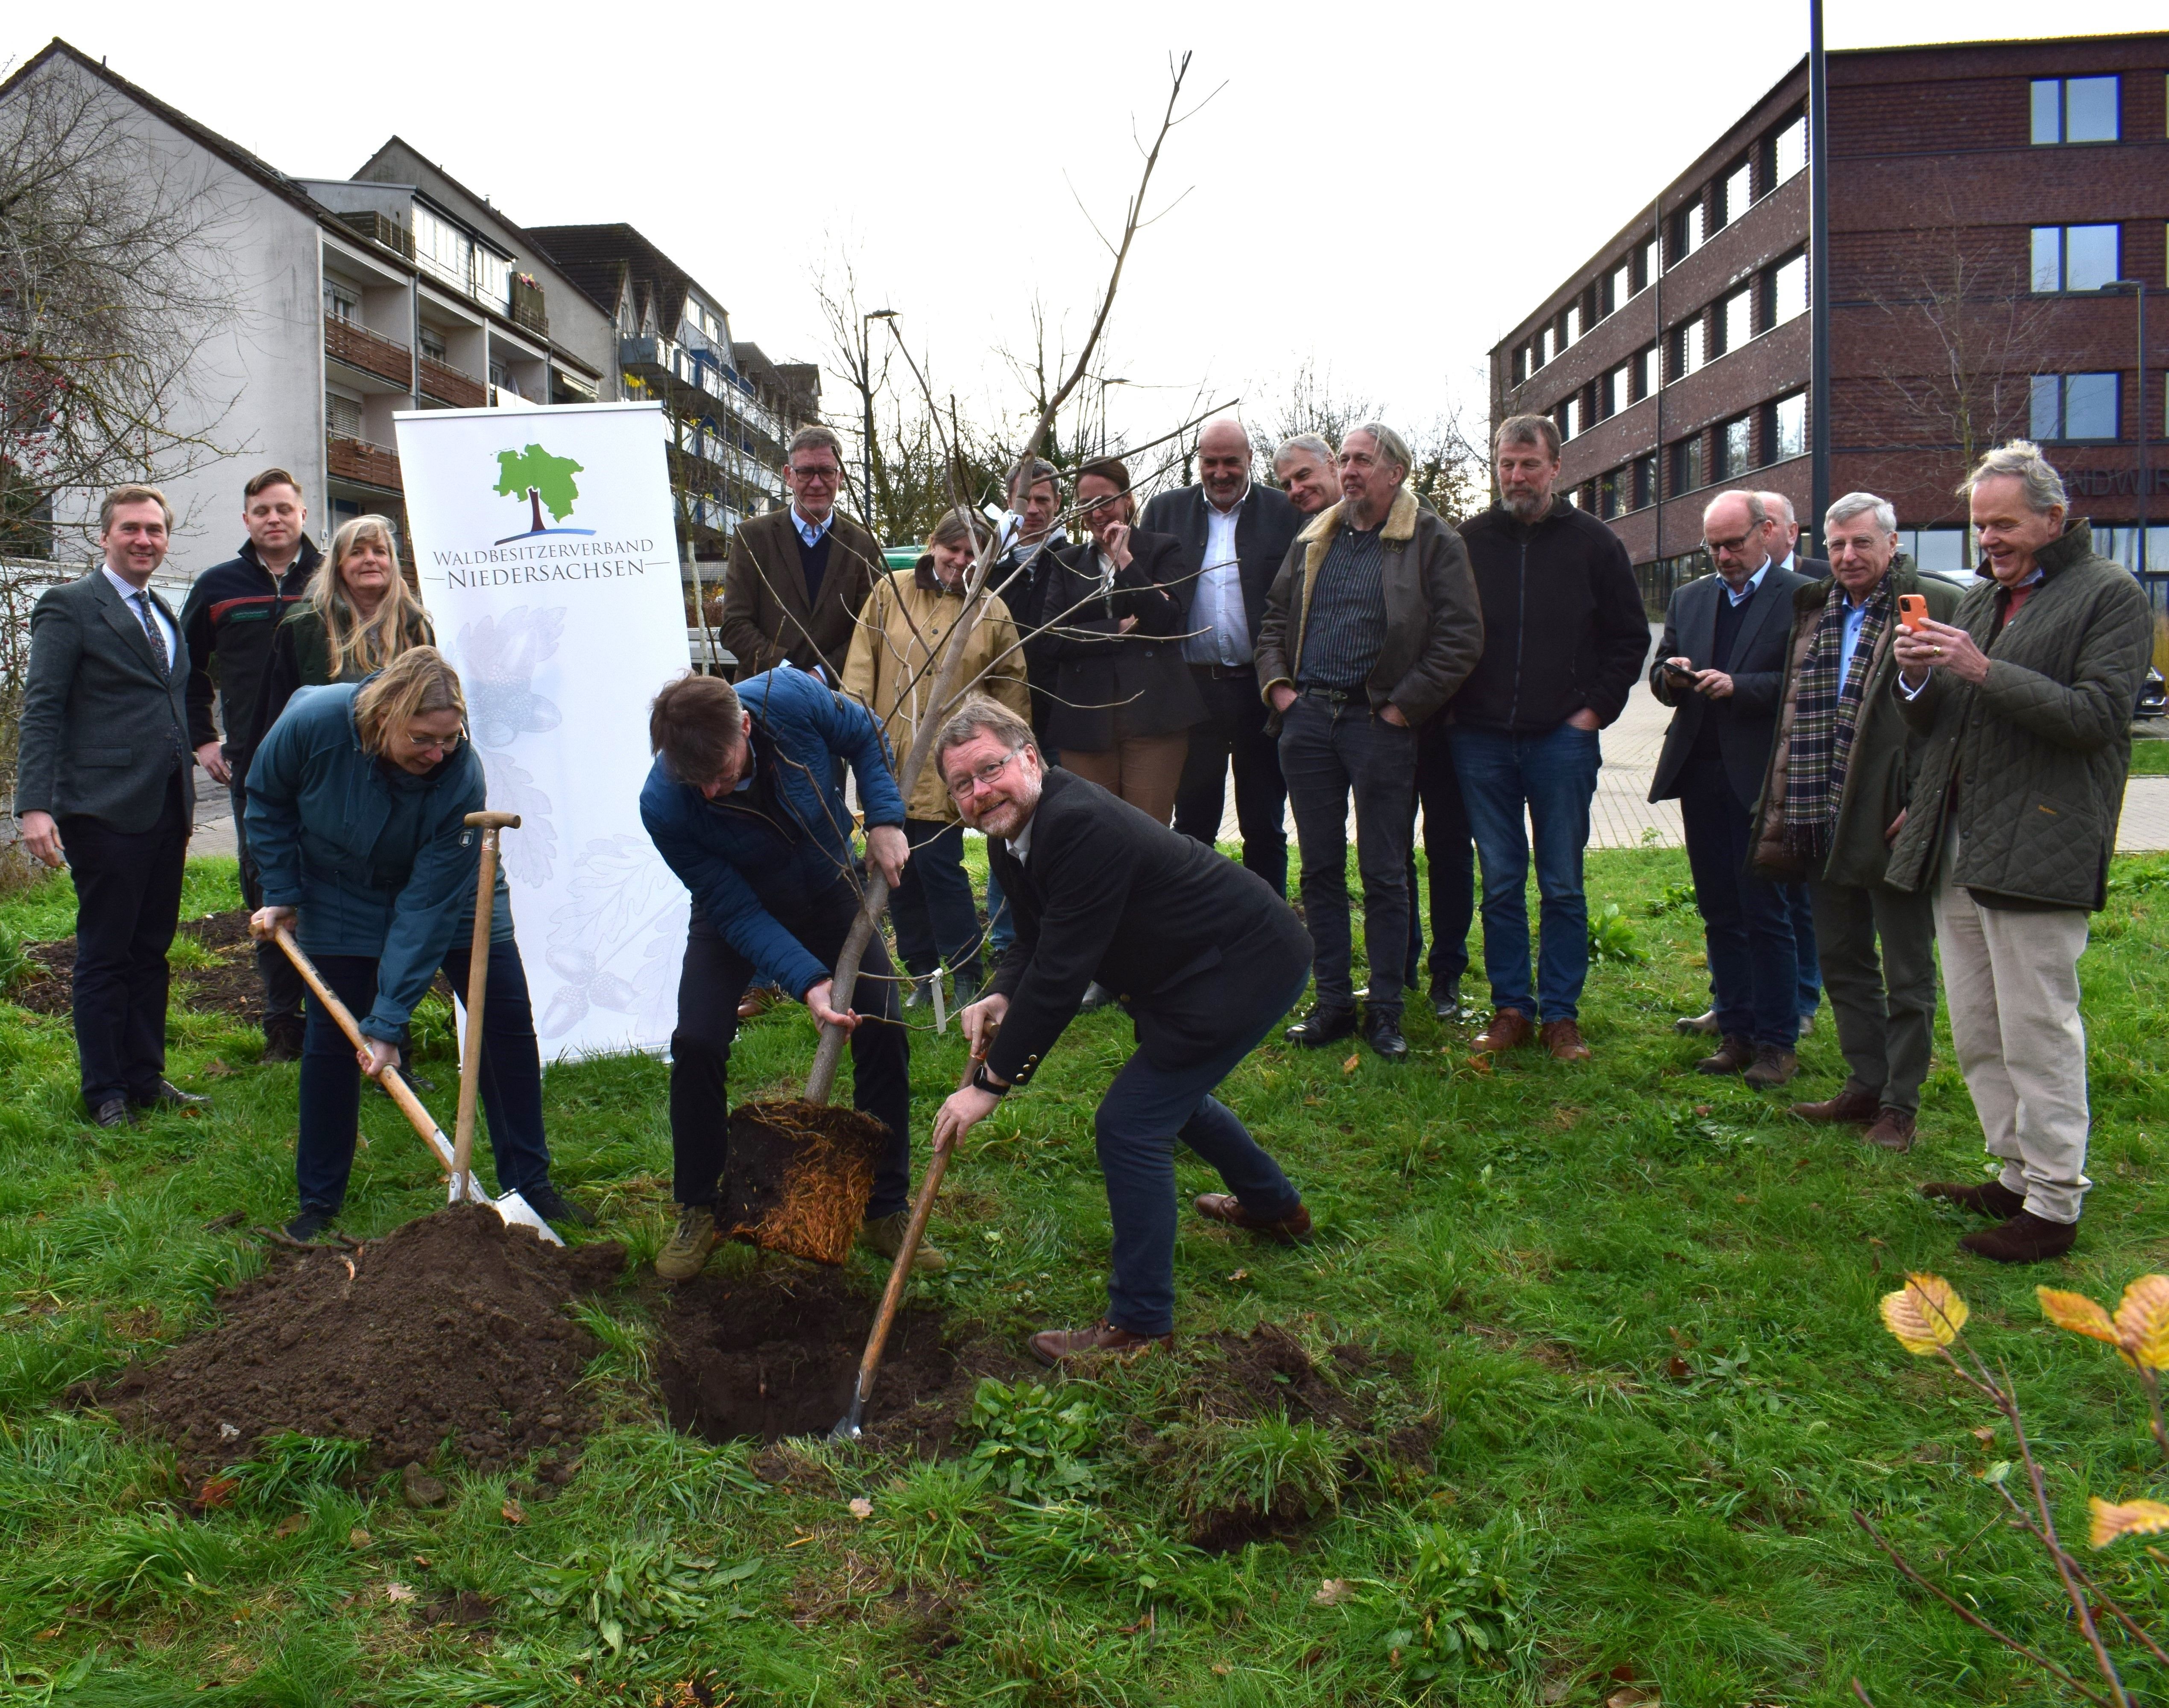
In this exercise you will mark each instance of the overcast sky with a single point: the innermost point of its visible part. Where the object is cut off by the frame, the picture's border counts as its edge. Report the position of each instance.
(1381, 189)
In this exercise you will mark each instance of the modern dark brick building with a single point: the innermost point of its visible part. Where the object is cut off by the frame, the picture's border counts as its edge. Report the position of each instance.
(1980, 195)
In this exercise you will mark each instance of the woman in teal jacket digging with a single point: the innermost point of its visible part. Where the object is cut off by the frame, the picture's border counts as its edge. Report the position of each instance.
(357, 802)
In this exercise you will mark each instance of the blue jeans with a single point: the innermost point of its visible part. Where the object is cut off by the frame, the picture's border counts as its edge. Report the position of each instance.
(936, 924)
(511, 1075)
(1747, 923)
(1144, 1112)
(1554, 776)
(1801, 908)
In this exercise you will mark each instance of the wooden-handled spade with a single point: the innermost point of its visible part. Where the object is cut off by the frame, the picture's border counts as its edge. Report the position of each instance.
(491, 825)
(515, 1210)
(847, 1427)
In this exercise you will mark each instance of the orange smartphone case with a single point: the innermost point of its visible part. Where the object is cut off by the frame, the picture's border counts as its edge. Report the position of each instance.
(1912, 609)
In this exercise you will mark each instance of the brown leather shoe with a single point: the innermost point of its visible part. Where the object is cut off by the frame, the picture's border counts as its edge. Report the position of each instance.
(757, 1000)
(1052, 1346)
(1703, 1025)
(1893, 1130)
(1563, 1037)
(1732, 1055)
(1509, 1029)
(1773, 1067)
(2026, 1239)
(1858, 1108)
(1227, 1207)
(1987, 1198)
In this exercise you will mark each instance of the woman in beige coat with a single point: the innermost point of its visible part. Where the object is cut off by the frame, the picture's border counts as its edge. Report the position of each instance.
(895, 650)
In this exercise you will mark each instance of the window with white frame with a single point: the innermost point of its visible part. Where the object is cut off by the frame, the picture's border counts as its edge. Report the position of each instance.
(1688, 231)
(2075, 405)
(1737, 315)
(1620, 385)
(1788, 290)
(1573, 328)
(1647, 378)
(2075, 109)
(1738, 192)
(2075, 258)
(1652, 260)
(1571, 424)
(1789, 151)
(1623, 284)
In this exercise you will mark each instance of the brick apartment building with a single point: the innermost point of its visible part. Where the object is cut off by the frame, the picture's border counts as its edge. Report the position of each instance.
(1980, 196)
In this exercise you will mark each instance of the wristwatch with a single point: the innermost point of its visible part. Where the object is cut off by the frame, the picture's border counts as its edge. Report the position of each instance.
(981, 1083)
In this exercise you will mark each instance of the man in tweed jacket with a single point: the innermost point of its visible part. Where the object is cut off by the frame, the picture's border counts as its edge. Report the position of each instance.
(2025, 697)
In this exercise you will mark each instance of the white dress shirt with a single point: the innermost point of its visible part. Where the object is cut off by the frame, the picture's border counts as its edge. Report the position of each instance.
(127, 590)
(1222, 629)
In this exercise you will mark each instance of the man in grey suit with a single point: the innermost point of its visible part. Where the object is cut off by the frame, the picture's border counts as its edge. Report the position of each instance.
(1721, 664)
(1235, 533)
(105, 780)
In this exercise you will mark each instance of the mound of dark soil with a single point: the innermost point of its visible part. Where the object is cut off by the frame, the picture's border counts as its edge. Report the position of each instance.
(229, 987)
(452, 1328)
(774, 1353)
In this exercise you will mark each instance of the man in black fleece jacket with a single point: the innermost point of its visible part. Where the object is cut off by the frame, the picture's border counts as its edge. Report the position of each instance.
(233, 609)
(1564, 637)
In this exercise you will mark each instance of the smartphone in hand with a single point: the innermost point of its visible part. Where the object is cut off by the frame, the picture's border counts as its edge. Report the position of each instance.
(1912, 611)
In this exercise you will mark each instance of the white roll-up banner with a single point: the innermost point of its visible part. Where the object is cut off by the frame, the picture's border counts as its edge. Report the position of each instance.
(547, 558)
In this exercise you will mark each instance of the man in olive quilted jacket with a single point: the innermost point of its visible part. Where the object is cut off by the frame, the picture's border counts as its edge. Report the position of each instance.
(2025, 698)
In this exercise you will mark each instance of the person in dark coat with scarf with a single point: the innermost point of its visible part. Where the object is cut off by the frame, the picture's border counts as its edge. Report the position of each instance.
(1834, 799)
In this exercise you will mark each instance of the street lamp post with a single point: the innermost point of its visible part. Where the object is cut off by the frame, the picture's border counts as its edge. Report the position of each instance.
(866, 391)
(2137, 287)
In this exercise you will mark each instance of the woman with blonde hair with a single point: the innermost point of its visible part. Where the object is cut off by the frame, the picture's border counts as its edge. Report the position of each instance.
(356, 616)
(357, 805)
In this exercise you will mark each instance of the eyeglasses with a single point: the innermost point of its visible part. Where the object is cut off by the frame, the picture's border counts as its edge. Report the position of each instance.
(827, 472)
(1716, 546)
(443, 744)
(982, 777)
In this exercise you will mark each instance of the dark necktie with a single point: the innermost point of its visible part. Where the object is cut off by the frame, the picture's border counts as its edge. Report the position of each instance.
(157, 635)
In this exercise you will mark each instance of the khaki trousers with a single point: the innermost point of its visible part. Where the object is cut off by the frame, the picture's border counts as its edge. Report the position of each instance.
(1144, 770)
(2011, 980)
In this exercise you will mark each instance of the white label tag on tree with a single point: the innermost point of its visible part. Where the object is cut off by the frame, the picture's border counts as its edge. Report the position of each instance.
(940, 1010)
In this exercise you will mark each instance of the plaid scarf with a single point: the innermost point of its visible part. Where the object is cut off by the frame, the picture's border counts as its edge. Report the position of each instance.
(1824, 717)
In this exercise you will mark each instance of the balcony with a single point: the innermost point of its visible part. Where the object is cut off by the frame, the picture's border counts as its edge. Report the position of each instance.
(380, 228)
(370, 352)
(527, 307)
(365, 463)
(450, 387)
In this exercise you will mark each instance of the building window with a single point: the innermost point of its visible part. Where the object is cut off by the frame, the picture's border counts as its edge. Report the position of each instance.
(1690, 348)
(1614, 493)
(433, 345)
(1688, 231)
(1623, 285)
(1574, 497)
(1573, 326)
(1571, 421)
(1789, 151)
(1736, 319)
(1738, 192)
(1646, 377)
(1620, 383)
(2075, 405)
(1652, 261)
(1645, 481)
(2074, 110)
(340, 303)
(1548, 347)
(1689, 464)
(1788, 290)
(1520, 364)
(1734, 449)
(1942, 550)
(2075, 257)
(342, 415)
(1789, 427)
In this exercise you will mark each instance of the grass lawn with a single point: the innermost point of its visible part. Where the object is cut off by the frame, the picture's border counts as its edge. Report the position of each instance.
(1641, 1304)
(2150, 758)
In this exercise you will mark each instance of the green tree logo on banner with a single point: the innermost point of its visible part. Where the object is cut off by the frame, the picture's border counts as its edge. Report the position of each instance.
(543, 480)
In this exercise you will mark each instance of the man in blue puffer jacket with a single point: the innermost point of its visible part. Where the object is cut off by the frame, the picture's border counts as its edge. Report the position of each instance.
(744, 804)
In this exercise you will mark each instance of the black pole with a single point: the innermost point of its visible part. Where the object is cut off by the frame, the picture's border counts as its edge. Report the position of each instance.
(1819, 381)
(1657, 373)
(2139, 557)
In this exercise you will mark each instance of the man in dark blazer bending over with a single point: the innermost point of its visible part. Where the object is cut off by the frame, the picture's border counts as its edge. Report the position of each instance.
(1235, 533)
(1204, 955)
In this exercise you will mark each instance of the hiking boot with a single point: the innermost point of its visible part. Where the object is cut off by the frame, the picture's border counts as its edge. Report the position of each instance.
(1853, 1108)
(1732, 1055)
(1381, 1031)
(309, 1227)
(2026, 1239)
(1563, 1037)
(1894, 1131)
(885, 1234)
(1292, 1229)
(1990, 1198)
(686, 1254)
(546, 1202)
(167, 1095)
(757, 1000)
(282, 1038)
(1054, 1346)
(1321, 1026)
(1773, 1067)
(1703, 1025)
(1509, 1029)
